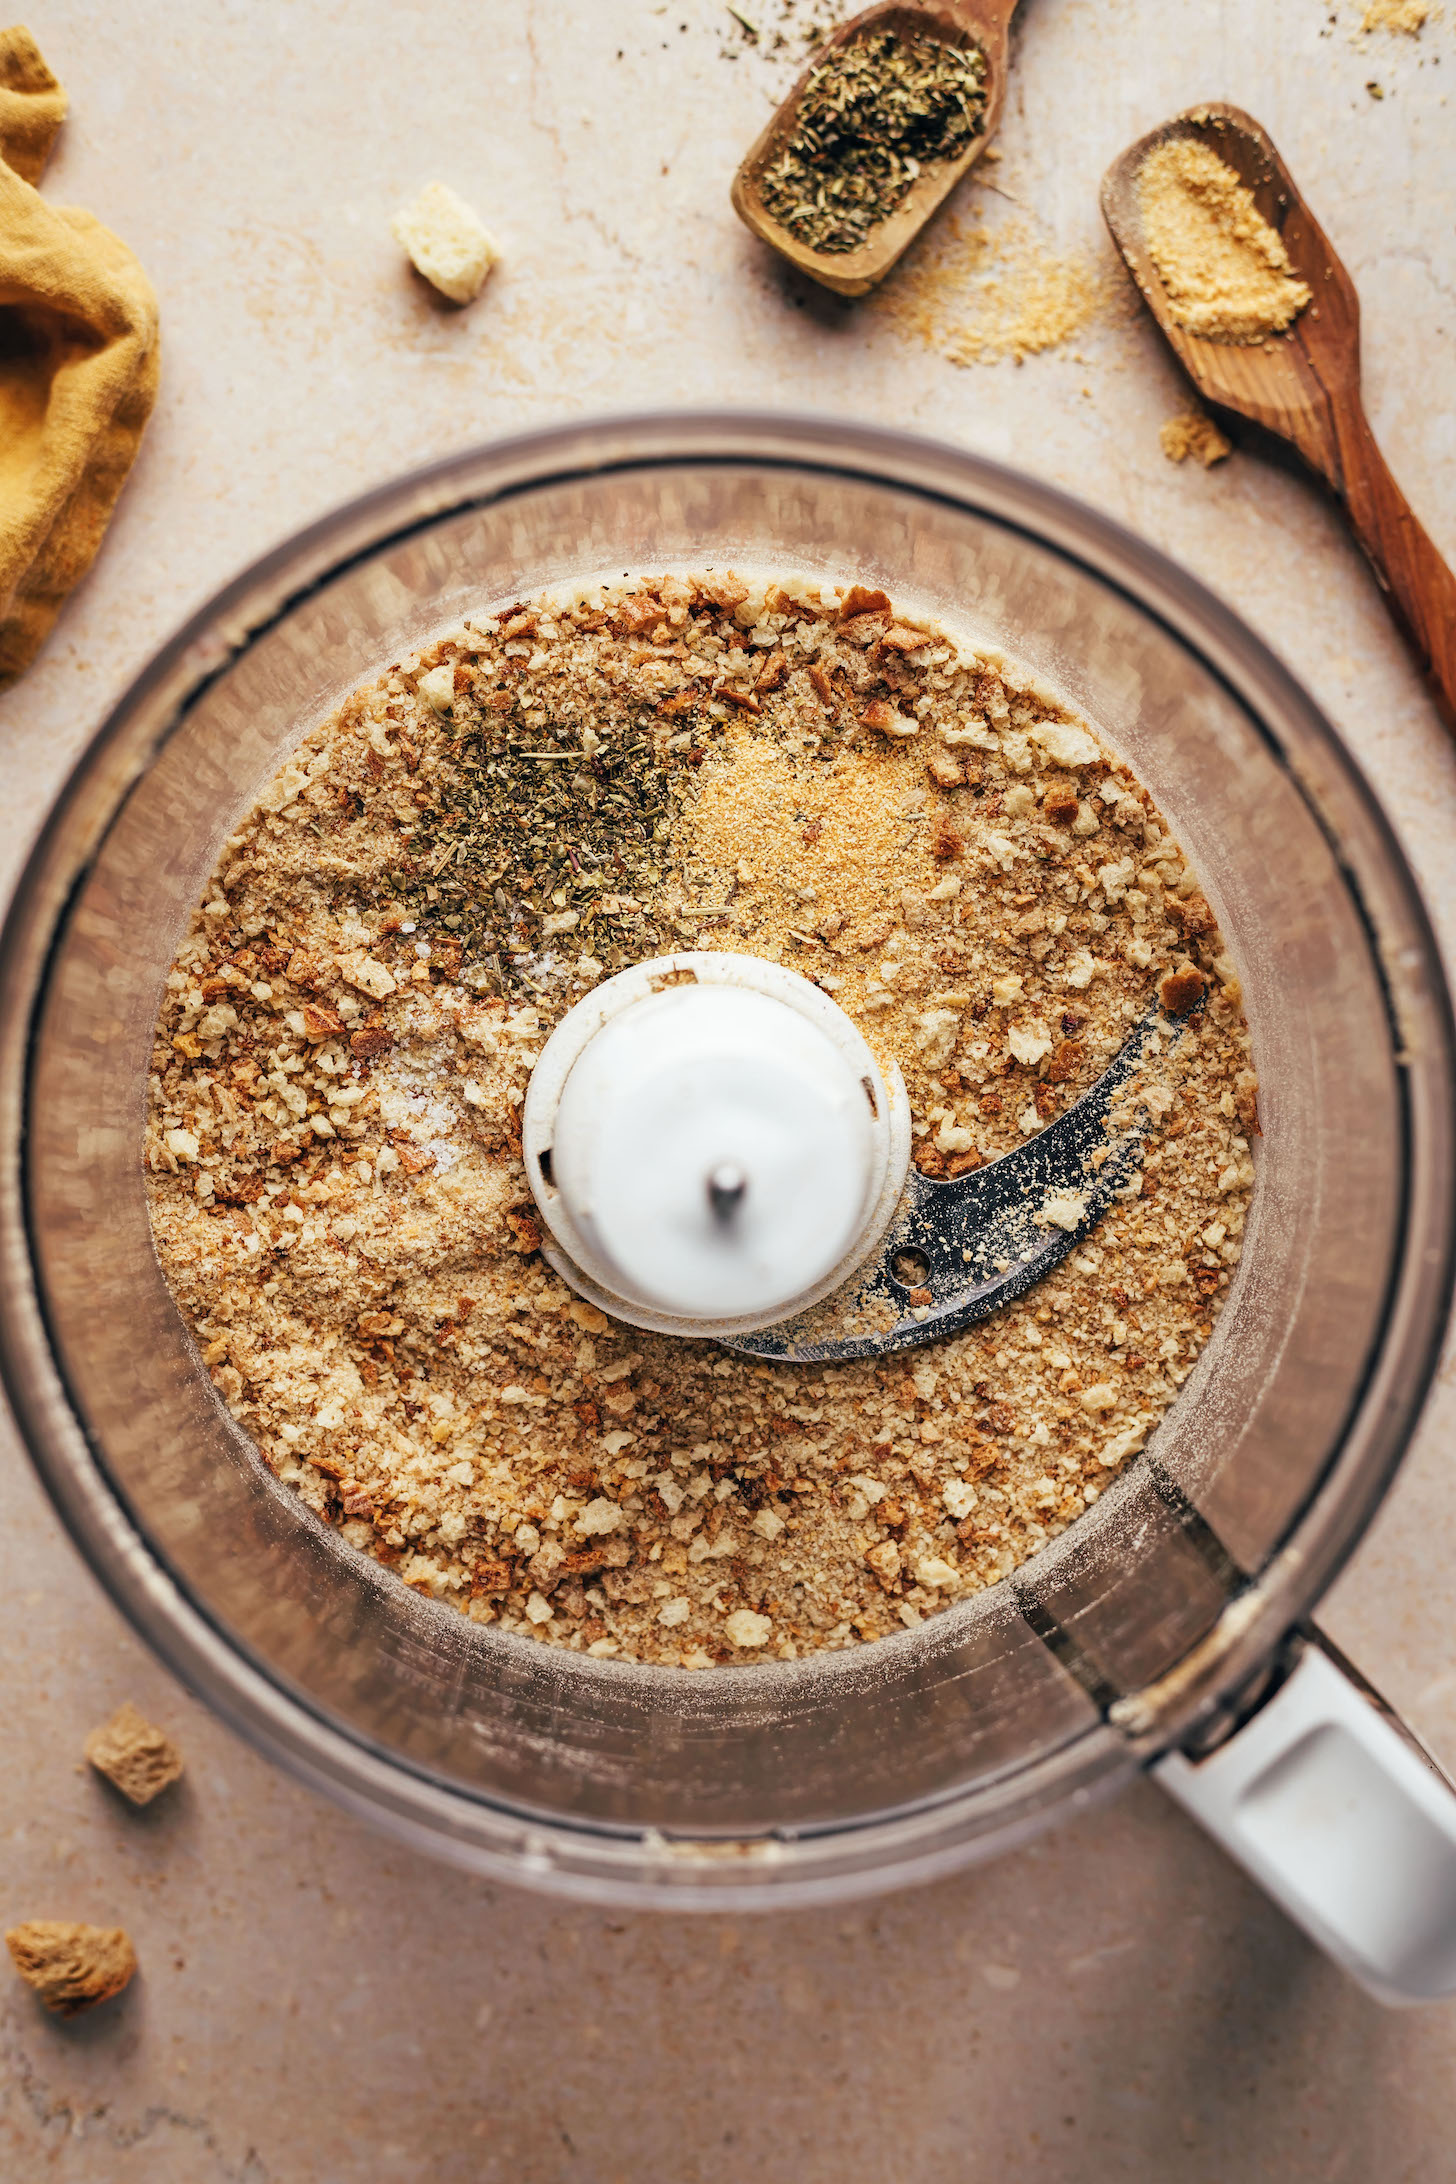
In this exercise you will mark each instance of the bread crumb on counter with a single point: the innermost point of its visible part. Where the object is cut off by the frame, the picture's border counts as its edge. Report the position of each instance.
(1194, 433)
(141, 1761)
(1408, 18)
(71, 1967)
(446, 242)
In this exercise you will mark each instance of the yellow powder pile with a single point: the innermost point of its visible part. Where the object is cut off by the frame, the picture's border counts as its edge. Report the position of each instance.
(1226, 271)
(1194, 433)
(978, 294)
(1409, 17)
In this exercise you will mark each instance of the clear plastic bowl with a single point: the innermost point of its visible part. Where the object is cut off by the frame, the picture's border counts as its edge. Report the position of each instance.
(777, 1783)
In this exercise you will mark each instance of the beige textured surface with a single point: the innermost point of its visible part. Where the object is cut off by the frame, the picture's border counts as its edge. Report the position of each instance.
(315, 2007)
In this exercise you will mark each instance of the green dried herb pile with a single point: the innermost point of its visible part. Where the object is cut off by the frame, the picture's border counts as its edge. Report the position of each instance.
(530, 836)
(872, 116)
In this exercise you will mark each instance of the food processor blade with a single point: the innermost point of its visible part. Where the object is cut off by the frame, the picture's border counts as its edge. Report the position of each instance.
(961, 1247)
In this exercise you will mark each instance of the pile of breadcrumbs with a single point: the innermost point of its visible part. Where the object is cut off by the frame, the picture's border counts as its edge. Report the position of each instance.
(452, 860)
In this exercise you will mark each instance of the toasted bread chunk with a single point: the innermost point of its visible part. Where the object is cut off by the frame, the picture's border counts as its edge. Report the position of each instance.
(71, 1967)
(139, 1759)
(446, 243)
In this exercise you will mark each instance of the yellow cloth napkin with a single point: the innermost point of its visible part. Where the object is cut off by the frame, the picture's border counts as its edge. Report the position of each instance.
(78, 367)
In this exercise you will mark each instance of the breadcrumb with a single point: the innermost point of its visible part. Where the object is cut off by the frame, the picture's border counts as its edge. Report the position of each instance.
(140, 1760)
(1407, 17)
(71, 1967)
(446, 242)
(1194, 433)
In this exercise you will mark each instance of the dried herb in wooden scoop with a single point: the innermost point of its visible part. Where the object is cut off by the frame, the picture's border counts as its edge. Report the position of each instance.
(893, 109)
(873, 114)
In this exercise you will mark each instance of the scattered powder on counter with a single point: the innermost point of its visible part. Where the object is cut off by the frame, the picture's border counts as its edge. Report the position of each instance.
(71, 1967)
(461, 852)
(141, 1761)
(1408, 17)
(1194, 433)
(1226, 271)
(978, 294)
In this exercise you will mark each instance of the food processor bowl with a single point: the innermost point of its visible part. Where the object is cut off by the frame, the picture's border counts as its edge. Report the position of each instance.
(1154, 1618)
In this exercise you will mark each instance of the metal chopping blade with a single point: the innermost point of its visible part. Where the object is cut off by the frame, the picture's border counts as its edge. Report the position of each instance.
(975, 1242)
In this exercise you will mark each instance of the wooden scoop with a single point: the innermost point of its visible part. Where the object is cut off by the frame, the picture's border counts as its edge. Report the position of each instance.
(1303, 384)
(954, 22)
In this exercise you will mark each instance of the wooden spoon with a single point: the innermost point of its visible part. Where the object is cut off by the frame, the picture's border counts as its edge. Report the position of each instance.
(954, 22)
(1303, 384)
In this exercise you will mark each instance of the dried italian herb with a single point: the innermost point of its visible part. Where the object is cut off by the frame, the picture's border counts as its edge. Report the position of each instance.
(878, 111)
(534, 834)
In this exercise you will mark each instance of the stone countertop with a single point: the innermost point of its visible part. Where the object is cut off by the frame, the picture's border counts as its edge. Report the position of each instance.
(317, 2006)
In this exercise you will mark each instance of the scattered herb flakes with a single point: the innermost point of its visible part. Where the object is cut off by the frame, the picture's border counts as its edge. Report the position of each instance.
(530, 834)
(872, 116)
(773, 27)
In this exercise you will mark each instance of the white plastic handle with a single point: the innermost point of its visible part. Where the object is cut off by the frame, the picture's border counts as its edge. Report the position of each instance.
(1334, 1809)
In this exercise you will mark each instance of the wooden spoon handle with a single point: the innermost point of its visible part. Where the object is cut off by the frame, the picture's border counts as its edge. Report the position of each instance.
(982, 16)
(1419, 586)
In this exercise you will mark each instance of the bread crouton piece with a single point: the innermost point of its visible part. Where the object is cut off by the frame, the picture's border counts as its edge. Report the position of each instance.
(1182, 990)
(1194, 433)
(445, 242)
(71, 1967)
(140, 1760)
